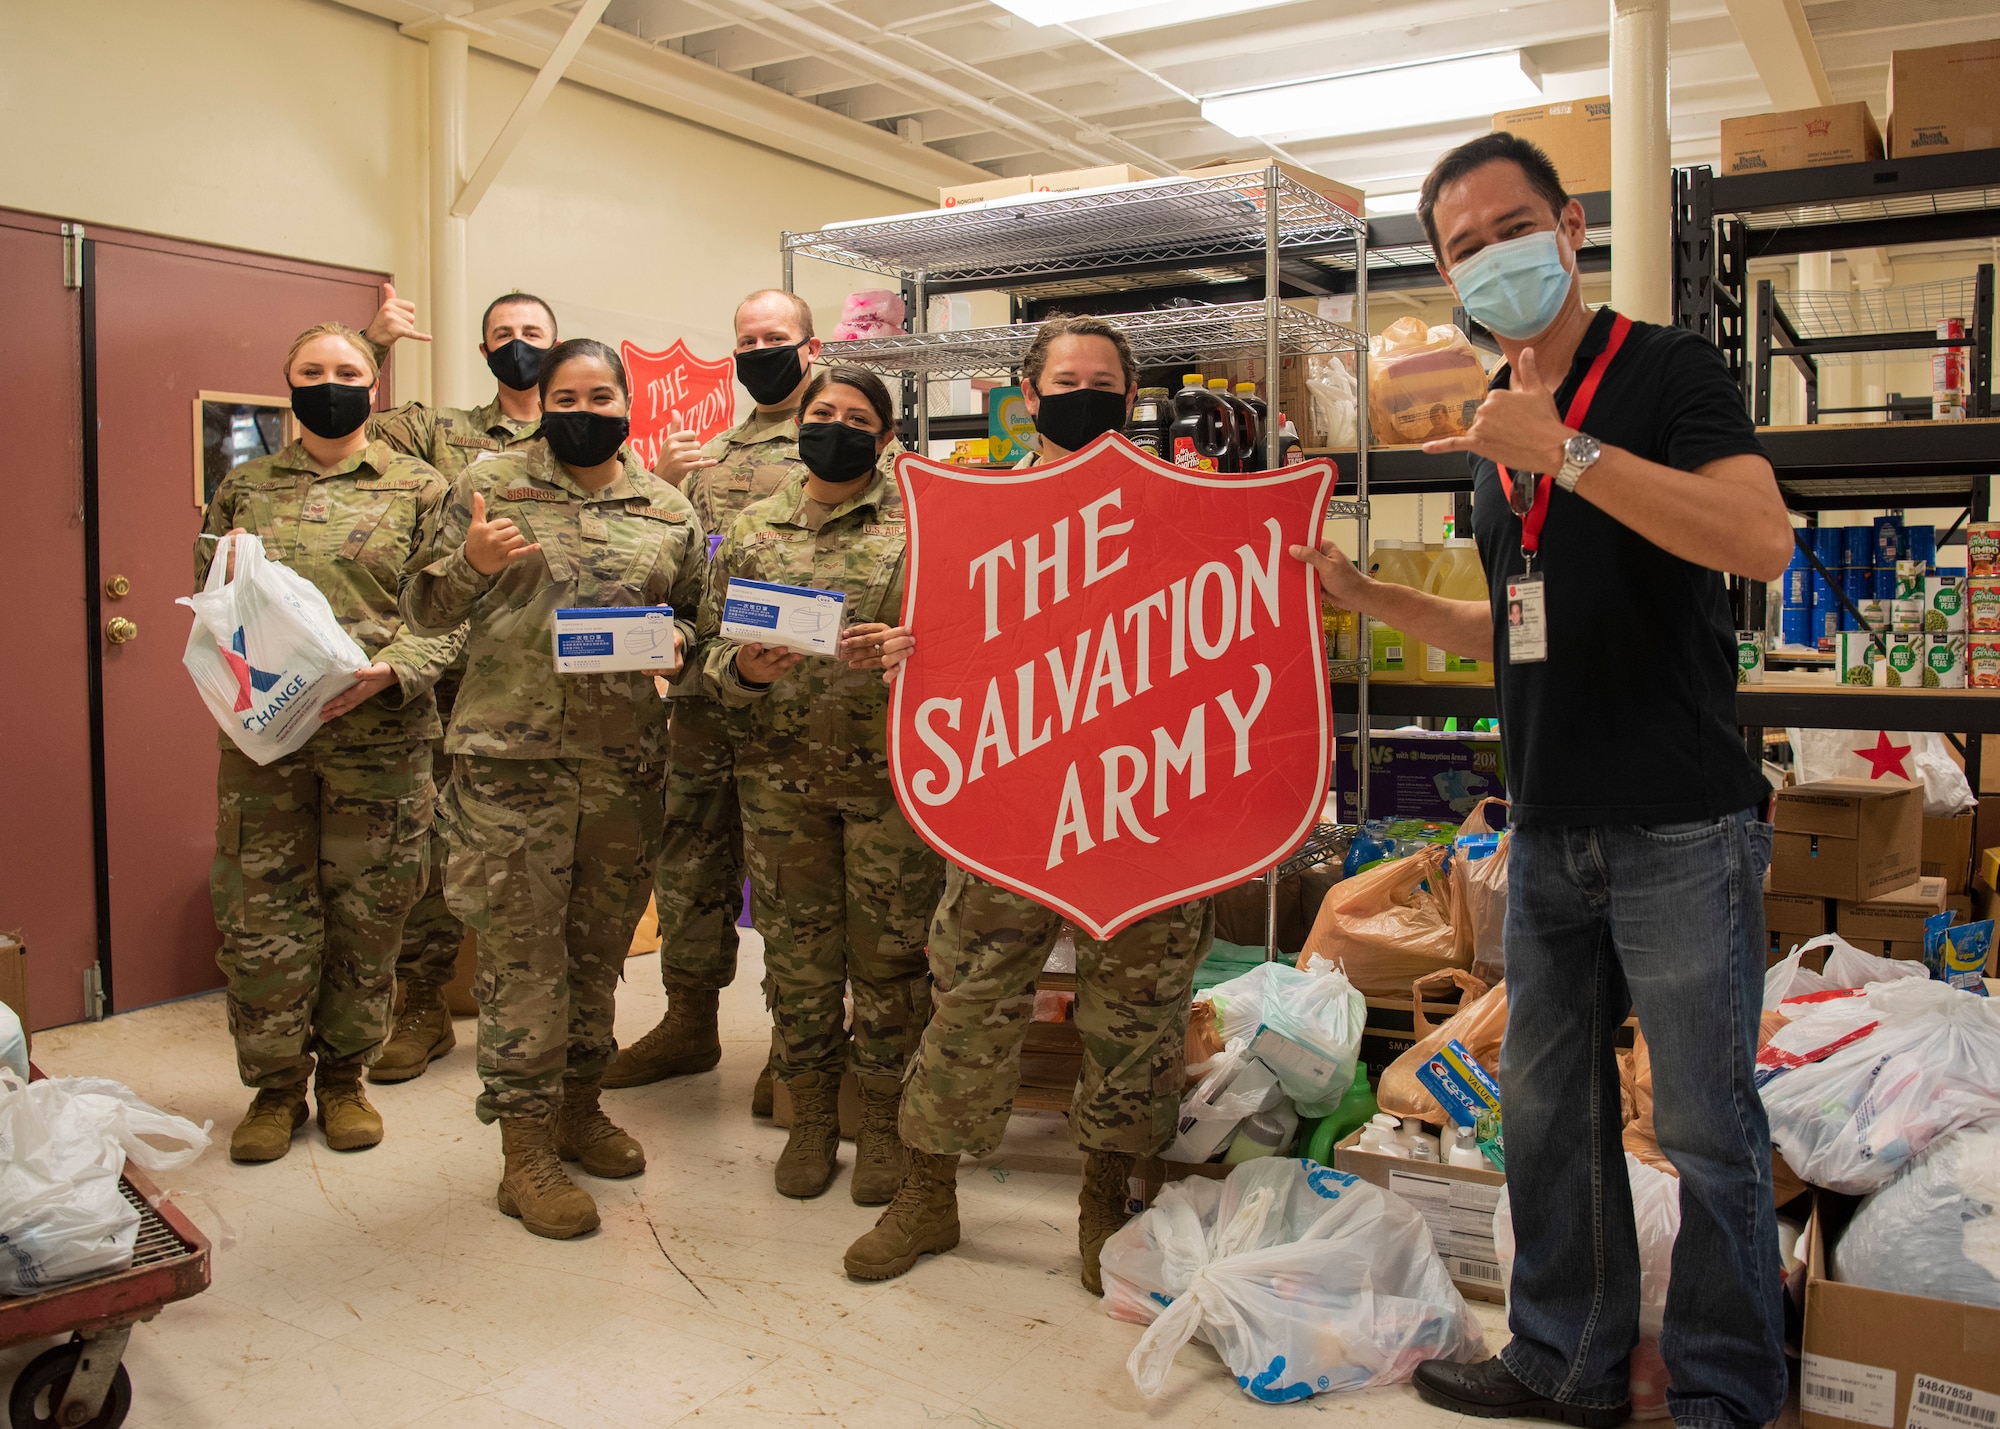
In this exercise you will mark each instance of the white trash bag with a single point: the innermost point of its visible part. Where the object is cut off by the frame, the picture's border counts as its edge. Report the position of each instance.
(1305, 1280)
(1935, 1229)
(1925, 760)
(1860, 1081)
(1789, 977)
(63, 1145)
(13, 1042)
(1848, 966)
(1656, 1216)
(266, 652)
(1320, 1010)
(1240, 1001)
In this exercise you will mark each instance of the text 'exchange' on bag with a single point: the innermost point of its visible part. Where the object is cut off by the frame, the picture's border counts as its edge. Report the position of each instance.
(1118, 699)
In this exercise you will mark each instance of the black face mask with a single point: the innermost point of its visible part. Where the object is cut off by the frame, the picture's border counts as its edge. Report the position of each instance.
(770, 374)
(836, 452)
(515, 364)
(585, 438)
(330, 409)
(1075, 419)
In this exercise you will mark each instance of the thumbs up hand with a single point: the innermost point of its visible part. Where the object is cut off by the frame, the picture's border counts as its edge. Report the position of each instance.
(394, 320)
(492, 546)
(680, 454)
(1517, 425)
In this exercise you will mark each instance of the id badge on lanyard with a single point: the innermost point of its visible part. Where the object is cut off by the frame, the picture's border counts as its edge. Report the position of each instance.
(1528, 498)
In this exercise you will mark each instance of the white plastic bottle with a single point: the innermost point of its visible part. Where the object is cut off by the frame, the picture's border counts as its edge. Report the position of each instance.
(1422, 1146)
(1465, 1150)
(1382, 1136)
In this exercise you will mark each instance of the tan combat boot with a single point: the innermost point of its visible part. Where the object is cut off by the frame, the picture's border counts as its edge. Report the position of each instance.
(584, 1134)
(921, 1220)
(763, 1096)
(878, 1150)
(349, 1122)
(265, 1133)
(805, 1167)
(533, 1186)
(423, 1033)
(685, 1041)
(1101, 1208)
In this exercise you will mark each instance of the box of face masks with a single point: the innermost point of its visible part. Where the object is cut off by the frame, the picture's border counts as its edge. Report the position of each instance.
(796, 617)
(597, 641)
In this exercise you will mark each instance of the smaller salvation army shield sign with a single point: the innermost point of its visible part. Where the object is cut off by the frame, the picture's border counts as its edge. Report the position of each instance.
(1118, 698)
(673, 387)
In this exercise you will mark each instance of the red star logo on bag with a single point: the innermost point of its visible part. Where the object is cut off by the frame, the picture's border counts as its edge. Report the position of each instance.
(1885, 758)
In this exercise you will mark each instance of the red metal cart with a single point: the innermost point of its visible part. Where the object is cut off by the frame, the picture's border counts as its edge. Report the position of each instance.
(82, 1384)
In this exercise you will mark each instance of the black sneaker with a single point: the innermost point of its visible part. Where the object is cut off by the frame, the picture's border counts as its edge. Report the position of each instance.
(1490, 1391)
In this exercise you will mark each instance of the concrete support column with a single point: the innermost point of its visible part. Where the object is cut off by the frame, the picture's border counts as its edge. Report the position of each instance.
(449, 320)
(1641, 162)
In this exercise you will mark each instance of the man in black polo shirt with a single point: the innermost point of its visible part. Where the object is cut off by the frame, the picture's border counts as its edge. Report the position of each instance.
(1638, 851)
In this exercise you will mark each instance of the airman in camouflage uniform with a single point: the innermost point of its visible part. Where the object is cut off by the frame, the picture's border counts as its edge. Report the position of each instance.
(850, 886)
(320, 854)
(450, 439)
(698, 890)
(555, 800)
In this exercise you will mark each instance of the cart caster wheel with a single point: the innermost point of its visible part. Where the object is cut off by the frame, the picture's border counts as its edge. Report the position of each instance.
(38, 1389)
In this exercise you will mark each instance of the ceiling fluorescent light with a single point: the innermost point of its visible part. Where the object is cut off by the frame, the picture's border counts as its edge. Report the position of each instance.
(1378, 100)
(1066, 12)
(1394, 203)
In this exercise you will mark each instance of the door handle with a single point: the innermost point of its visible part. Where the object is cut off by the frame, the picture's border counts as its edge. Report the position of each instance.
(118, 587)
(118, 630)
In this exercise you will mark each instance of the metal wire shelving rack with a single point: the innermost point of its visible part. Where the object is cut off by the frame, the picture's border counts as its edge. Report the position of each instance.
(1158, 233)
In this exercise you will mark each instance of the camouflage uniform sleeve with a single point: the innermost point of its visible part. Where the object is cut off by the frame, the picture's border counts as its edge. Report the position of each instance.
(689, 592)
(220, 517)
(440, 586)
(419, 660)
(718, 653)
(411, 429)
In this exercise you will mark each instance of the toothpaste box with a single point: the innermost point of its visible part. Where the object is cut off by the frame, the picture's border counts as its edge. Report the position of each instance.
(796, 617)
(1462, 1086)
(596, 641)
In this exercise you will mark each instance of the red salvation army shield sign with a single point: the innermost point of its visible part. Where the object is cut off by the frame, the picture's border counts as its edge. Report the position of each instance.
(1118, 698)
(675, 386)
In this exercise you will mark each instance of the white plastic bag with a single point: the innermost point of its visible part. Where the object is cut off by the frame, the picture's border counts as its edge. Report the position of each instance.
(1304, 1280)
(1788, 977)
(1330, 387)
(63, 1146)
(1320, 1010)
(1935, 1229)
(1836, 754)
(1221, 1101)
(1656, 1216)
(266, 652)
(1240, 1001)
(1848, 966)
(13, 1042)
(1858, 1082)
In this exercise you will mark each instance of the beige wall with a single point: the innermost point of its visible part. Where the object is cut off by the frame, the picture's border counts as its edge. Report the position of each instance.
(298, 127)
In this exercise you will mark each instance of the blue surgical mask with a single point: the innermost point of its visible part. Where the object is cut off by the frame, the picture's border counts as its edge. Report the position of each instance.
(1515, 288)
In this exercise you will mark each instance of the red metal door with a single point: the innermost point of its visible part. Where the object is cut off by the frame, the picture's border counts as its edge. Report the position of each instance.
(47, 861)
(172, 319)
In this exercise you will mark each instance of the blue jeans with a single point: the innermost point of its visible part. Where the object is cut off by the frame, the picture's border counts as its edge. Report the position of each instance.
(1668, 920)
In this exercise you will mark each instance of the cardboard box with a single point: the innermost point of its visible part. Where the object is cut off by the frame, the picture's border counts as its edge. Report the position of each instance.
(1421, 776)
(1944, 100)
(1336, 192)
(1389, 1029)
(14, 979)
(598, 640)
(1847, 838)
(1456, 1202)
(1894, 918)
(1986, 821)
(1794, 918)
(1911, 950)
(1947, 851)
(1868, 1353)
(1988, 875)
(797, 617)
(1960, 905)
(1574, 133)
(959, 195)
(1102, 177)
(1800, 139)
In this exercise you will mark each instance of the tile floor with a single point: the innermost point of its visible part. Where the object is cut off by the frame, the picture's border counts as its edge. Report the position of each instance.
(383, 1289)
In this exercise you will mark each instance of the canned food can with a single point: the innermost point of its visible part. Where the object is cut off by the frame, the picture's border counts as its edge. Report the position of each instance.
(1859, 546)
(1944, 662)
(1907, 615)
(1795, 626)
(1909, 580)
(1855, 656)
(1875, 613)
(1903, 666)
(1982, 662)
(1982, 549)
(1889, 541)
(1749, 657)
(1944, 604)
(1920, 542)
(1982, 605)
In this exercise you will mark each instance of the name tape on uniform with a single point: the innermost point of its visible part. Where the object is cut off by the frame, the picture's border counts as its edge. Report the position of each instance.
(597, 641)
(796, 617)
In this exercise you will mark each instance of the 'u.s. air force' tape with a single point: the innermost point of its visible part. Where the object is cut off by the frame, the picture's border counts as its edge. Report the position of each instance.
(598, 640)
(796, 617)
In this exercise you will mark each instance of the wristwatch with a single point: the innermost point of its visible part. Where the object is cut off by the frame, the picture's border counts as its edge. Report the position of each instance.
(1580, 453)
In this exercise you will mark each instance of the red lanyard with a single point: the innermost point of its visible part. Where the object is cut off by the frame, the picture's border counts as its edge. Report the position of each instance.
(1579, 407)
